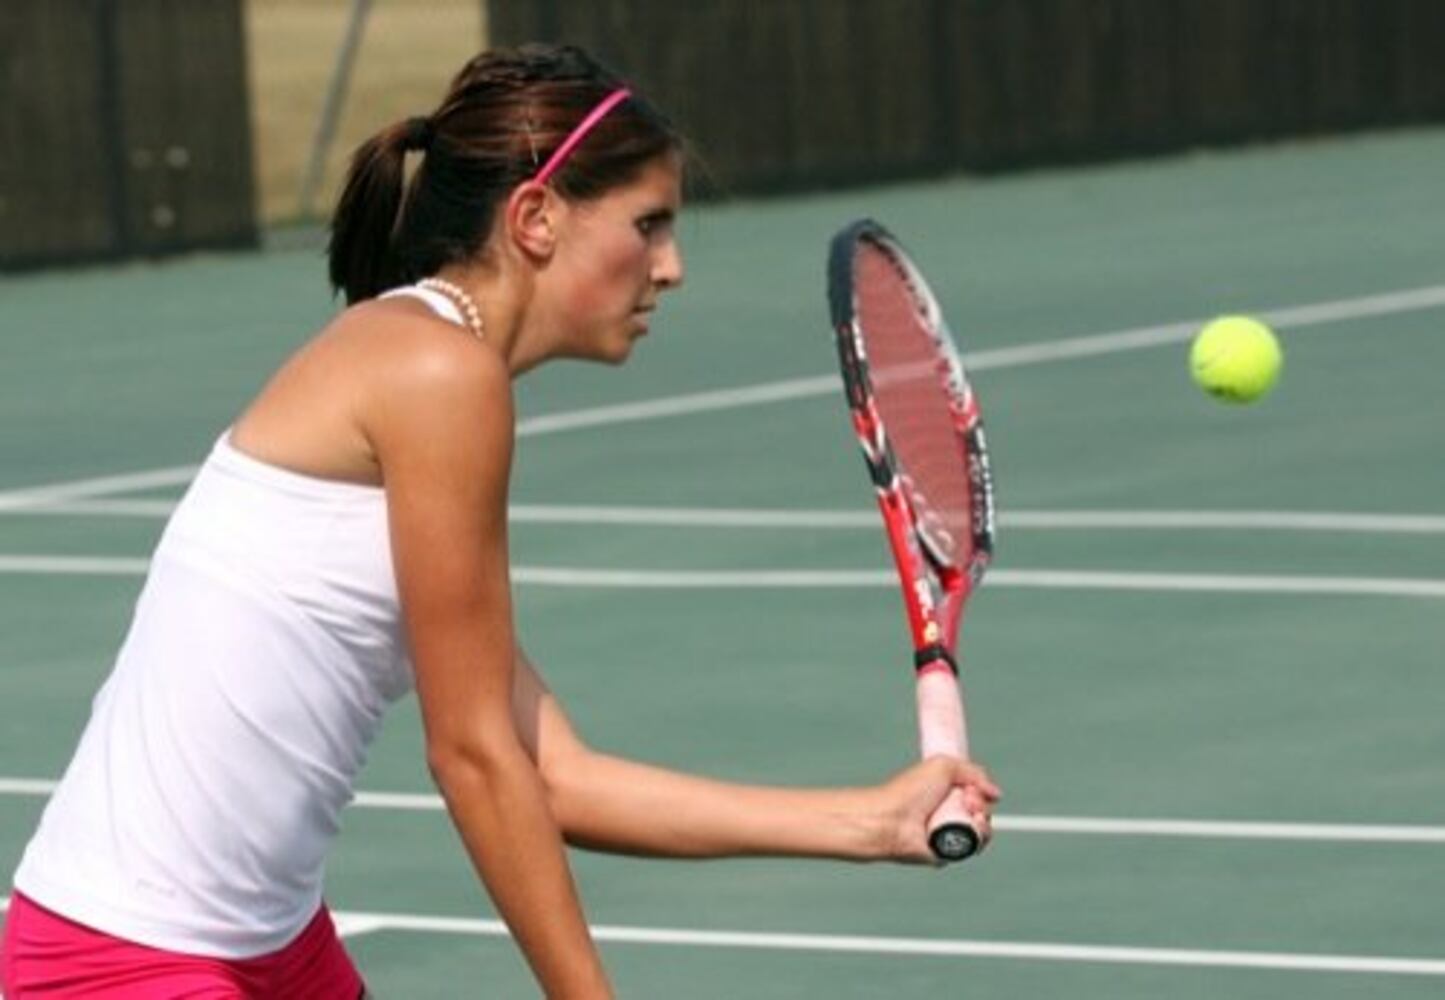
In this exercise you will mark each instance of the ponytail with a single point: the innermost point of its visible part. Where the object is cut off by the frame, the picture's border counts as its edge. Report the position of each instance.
(362, 254)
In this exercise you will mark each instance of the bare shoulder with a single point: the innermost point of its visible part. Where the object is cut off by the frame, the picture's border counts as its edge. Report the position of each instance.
(437, 415)
(382, 371)
(408, 342)
(424, 374)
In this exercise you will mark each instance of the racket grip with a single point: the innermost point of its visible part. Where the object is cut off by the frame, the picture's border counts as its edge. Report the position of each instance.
(952, 833)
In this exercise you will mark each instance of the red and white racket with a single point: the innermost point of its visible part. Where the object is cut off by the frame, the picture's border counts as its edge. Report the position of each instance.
(917, 419)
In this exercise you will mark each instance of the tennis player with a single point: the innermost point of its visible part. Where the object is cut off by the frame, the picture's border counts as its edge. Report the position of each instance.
(346, 542)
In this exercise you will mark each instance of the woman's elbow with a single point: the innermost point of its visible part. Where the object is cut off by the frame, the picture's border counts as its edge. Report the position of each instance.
(467, 761)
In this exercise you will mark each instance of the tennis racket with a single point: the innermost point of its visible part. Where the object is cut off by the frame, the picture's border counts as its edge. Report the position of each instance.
(917, 420)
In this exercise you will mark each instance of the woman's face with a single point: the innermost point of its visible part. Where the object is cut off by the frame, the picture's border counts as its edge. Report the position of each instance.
(615, 257)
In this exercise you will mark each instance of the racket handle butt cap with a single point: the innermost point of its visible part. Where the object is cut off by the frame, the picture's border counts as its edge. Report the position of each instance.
(954, 842)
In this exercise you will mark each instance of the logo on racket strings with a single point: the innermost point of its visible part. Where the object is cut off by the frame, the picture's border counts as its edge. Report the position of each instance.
(932, 527)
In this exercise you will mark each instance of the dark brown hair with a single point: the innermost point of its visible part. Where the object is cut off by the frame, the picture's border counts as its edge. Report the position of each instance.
(504, 115)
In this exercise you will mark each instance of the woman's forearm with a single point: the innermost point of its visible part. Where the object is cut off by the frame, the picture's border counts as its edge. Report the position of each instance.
(500, 809)
(611, 804)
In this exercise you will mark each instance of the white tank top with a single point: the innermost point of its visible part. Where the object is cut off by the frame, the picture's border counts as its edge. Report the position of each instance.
(267, 641)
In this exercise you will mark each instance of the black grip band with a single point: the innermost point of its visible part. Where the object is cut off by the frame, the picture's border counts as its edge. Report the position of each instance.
(932, 654)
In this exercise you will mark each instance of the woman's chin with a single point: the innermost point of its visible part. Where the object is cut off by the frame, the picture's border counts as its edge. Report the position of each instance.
(613, 352)
(619, 348)
(610, 348)
(622, 352)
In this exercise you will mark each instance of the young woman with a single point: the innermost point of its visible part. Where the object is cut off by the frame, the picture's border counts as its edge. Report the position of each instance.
(346, 541)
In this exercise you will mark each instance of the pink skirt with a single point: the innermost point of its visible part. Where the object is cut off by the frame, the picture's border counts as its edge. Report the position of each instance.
(44, 955)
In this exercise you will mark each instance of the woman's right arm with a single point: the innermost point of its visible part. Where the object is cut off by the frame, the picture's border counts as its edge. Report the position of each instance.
(440, 421)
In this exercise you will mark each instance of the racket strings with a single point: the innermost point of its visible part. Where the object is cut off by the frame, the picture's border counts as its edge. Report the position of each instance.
(910, 379)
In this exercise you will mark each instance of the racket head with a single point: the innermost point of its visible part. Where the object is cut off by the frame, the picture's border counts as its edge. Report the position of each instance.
(913, 405)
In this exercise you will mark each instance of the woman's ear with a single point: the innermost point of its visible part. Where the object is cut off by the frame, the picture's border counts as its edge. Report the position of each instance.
(530, 220)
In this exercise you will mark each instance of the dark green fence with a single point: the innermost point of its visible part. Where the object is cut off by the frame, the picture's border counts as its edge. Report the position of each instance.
(123, 129)
(800, 93)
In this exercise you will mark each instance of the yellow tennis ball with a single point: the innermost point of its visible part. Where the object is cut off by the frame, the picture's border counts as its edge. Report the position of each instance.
(1235, 358)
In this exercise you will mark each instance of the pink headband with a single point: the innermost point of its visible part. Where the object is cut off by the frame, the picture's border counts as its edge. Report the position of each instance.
(555, 161)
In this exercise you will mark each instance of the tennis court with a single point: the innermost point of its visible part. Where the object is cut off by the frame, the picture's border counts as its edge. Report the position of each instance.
(1208, 668)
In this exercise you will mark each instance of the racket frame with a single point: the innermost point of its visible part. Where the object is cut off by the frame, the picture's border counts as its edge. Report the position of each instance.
(934, 589)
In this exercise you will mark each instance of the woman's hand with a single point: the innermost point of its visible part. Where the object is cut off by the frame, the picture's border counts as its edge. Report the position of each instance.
(907, 800)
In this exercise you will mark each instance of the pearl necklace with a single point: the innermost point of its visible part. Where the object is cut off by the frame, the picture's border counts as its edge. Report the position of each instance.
(460, 299)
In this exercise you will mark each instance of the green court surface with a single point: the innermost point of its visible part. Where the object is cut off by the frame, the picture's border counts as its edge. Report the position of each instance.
(1231, 619)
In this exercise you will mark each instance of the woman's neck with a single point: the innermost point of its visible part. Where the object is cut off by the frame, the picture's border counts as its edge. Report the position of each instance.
(504, 303)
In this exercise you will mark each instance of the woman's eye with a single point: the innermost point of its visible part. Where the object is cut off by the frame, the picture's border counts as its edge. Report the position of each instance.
(652, 225)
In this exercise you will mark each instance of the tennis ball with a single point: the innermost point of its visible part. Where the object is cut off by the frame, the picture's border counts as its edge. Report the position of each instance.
(1235, 358)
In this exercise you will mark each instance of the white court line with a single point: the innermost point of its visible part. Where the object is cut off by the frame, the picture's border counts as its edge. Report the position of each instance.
(102, 486)
(352, 923)
(1042, 579)
(73, 566)
(97, 508)
(399, 801)
(1225, 520)
(1015, 520)
(1339, 833)
(26, 786)
(693, 517)
(1091, 345)
(1051, 579)
(1342, 833)
(852, 944)
(682, 405)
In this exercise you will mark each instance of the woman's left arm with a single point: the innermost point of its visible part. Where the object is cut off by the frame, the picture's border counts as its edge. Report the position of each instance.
(611, 804)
